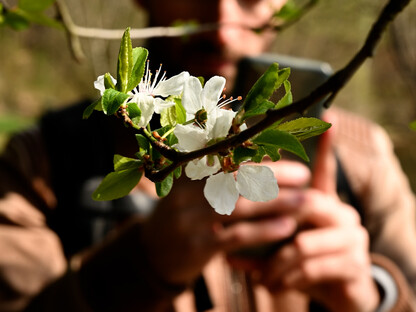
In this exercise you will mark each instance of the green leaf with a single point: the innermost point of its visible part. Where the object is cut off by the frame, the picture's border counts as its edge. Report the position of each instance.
(117, 184)
(90, 108)
(139, 62)
(163, 188)
(125, 62)
(108, 82)
(304, 127)
(112, 100)
(261, 152)
(173, 115)
(16, 21)
(35, 5)
(413, 125)
(289, 11)
(243, 154)
(272, 152)
(261, 109)
(287, 99)
(264, 87)
(283, 140)
(125, 163)
(134, 112)
(180, 111)
(168, 117)
(144, 144)
(38, 18)
(177, 172)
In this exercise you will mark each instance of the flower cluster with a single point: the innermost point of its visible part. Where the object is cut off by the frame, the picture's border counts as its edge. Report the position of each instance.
(206, 121)
(196, 131)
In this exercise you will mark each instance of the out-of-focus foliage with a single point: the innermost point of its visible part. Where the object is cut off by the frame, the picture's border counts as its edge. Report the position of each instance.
(27, 12)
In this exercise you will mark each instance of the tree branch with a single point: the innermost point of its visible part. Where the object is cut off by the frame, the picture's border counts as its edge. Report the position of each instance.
(327, 92)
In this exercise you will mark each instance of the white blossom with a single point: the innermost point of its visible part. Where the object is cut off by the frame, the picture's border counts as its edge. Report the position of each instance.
(197, 101)
(256, 183)
(150, 94)
(99, 83)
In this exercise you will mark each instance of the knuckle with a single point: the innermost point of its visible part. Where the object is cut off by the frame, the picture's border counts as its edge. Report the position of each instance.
(307, 272)
(300, 243)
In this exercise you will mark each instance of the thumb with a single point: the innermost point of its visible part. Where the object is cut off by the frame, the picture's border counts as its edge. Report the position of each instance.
(325, 167)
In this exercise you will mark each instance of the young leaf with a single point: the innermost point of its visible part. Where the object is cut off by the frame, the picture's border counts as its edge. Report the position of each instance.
(139, 61)
(264, 87)
(163, 188)
(90, 108)
(125, 163)
(272, 152)
(287, 99)
(125, 62)
(112, 100)
(180, 111)
(117, 184)
(143, 143)
(281, 139)
(304, 127)
(134, 112)
(261, 152)
(243, 154)
(108, 82)
(261, 109)
(168, 117)
(177, 172)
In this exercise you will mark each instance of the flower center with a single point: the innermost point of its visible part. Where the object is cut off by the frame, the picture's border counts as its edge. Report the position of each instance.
(201, 118)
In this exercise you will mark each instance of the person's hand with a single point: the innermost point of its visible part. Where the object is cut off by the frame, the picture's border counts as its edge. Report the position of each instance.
(184, 232)
(328, 258)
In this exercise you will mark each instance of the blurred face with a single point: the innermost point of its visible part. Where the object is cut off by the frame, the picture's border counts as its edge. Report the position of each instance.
(216, 52)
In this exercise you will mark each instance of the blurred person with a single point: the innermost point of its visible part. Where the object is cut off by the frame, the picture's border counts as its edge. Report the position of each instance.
(60, 251)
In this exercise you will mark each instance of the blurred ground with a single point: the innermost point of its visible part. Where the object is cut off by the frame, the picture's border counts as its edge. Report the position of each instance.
(37, 72)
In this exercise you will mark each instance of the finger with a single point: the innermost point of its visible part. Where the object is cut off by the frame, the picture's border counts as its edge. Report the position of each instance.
(327, 268)
(253, 233)
(313, 243)
(285, 203)
(290, 173)
(324, 173)
(320, 210)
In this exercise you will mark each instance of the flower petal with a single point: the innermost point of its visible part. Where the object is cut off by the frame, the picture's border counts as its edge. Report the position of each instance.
(221, 192)
(147, 107)
(171, 86)
(219, 123)
(190, 138)
(212, 92)
(191, 98)
(199, 168)
(160, 105)
(257, 183)
(99, 83)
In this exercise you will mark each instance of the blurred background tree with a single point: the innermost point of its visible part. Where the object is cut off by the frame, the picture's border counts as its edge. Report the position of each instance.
(37, 71)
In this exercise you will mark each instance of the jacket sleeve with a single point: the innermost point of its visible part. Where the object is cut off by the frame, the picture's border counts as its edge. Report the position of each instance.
(388, 204)
(30, 253)
(34, 273)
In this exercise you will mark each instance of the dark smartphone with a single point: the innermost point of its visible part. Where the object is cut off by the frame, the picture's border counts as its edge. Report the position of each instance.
(305, 76)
